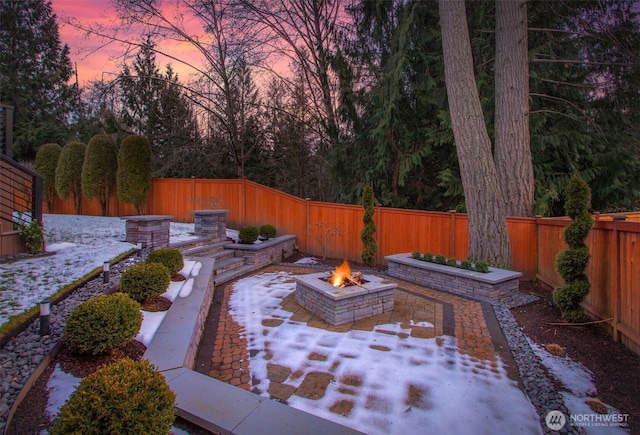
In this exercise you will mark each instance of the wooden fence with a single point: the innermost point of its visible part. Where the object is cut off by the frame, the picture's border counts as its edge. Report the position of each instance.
(333, 230)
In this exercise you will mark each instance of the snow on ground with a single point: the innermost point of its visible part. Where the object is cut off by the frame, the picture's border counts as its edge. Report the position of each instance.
(79, 245)
(578, 380)
(454, 398)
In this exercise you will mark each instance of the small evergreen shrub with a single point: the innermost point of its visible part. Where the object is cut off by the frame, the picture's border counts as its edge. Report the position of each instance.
(416, 255)
(428, 256)
(465, 264)
(368, 254)
(482, 266)
(452, 262)
(572, 263)
(102, 324)
(128, 397)
(32, 236)
(267, 231)
(441, 259)
(248, 234)
(144, 281)
(170, 257)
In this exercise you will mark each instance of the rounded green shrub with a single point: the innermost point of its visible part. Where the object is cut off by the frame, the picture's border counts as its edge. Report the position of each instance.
(170, 257)
(571, 264)
(428, 256)
(482, 266)
(144, 281)
(248, 234)
(127, 397)
(416, 255)
(452, 262)
(465, 264)
(267, 231)
(441, 259)
(102, 324)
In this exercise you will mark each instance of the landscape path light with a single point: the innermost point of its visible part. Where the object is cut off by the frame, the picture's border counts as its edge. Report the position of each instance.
(45, 312)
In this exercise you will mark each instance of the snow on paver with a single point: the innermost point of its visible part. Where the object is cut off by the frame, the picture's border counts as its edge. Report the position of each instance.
(379, 383)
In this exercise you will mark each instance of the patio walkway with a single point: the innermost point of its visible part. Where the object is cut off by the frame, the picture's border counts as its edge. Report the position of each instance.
(420, 313)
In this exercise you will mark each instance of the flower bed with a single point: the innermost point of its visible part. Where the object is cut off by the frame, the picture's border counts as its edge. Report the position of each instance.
(495, 286)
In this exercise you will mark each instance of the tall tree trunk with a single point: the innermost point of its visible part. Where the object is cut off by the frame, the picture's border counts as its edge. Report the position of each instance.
(512, 153)
(488, 236)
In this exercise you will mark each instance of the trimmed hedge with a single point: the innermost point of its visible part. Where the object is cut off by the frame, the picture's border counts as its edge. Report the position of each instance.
(144, 281)
(128, 397)
(170, 257)
(102, 324)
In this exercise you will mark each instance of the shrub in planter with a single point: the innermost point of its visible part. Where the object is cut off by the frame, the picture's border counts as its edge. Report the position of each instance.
(102, 324)
(441, 259)
(128, 397)
(32, 236)
(452, 262)
(248, 234)
(465, 264)
(482, 266)
(170, 257)
(416, 255)
(267, 231)
(144, 281)
(428, 256)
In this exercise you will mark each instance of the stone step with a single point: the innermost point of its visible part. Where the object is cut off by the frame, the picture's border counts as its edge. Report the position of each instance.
(227, 263)
(233, 274)
(223, 254)
(204, 250)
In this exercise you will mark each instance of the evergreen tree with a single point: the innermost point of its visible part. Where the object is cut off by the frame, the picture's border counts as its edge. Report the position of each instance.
(366, 235)
(34, 71)
(69, 173)
(99, 170)
(134, 171)
(46, 162)
(155, 106)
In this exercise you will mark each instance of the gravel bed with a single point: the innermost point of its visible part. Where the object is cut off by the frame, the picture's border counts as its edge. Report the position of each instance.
(21, 355)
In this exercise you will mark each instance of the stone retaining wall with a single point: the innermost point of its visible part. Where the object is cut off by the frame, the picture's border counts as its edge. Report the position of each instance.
(266, 252)
(495, 286)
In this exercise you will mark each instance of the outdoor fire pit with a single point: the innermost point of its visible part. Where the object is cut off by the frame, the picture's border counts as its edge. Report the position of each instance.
(339, 297)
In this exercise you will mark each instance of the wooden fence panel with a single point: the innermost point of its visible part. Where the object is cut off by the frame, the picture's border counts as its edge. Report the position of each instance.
(629, 285)
(172, 197)
(549, 244)
(221, 194)
(524, 246)
(334, 230)
(601, 273)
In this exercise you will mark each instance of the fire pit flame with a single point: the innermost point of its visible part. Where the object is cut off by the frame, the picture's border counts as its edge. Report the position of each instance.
(342, 276)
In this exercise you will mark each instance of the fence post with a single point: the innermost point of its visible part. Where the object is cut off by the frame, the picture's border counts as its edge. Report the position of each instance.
(615, 275)
(307, 201)
(452, 233)
(378, 221)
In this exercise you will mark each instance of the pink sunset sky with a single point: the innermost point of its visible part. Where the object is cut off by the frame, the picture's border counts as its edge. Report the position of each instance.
(94, 59)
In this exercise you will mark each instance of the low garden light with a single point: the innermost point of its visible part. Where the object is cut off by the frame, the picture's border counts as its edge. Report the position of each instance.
(45, 312)
(105, 272)
(139, 247)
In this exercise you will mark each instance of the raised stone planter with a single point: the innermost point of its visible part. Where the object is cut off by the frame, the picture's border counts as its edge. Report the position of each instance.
(151, 231)
(266, 252)
(347, 304)
(496, 286)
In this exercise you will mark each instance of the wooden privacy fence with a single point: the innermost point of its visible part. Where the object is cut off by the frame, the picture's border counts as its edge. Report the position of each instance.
(333, 230)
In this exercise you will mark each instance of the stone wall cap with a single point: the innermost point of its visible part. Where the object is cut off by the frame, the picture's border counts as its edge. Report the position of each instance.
(217, 211)
(153, 217)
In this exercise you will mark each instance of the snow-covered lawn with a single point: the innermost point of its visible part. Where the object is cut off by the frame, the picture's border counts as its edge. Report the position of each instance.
(79, 245)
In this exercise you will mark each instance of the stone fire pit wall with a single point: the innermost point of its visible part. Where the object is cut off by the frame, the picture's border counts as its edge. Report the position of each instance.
(344, 305)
